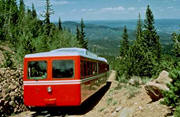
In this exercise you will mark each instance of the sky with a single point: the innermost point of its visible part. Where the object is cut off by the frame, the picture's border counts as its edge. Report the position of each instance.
(74, 10)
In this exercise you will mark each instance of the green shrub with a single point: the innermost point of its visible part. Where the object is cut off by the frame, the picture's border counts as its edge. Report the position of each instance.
(172, 97)
(7, 60)
(177, 112)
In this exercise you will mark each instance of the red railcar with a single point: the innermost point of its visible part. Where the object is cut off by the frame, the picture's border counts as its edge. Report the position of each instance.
(62, 77)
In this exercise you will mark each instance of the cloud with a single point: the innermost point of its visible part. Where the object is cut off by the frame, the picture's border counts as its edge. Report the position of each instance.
(87, 10)
(59, 2)
(74, 10)
(131, 8)
(90, 11)
(170, 7)
(41, 3)
(119, 8)
(37, 3)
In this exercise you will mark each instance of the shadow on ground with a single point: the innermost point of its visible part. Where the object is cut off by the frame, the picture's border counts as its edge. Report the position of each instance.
(85, 107)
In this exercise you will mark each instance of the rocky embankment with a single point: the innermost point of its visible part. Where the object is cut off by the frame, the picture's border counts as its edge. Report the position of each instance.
(11, 91)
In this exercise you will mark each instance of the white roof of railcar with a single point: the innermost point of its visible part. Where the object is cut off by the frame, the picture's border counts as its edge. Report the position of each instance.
(67, 52)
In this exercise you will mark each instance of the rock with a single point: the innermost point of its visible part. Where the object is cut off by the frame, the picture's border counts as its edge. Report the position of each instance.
(114, 113)
(163, 78)
(12, 94)
(12, 87)
(6, 103)
(2, 71)
(2, 102)
(135, 81)
(12, 103)
(118, 109)
(140, 107)
(7, 97)
(7, 90)
(154, 88)
(11, 91)
(127, 112)
(13, 98)
(26, 114)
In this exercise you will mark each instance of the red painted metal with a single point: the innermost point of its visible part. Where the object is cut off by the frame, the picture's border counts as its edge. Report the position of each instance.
(72, 94)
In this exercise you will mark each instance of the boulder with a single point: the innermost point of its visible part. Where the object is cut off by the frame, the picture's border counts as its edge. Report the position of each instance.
(163, 78)
(154, 88)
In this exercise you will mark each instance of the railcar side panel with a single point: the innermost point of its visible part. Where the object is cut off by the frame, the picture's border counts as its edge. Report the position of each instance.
(93, 77)
(89, 87)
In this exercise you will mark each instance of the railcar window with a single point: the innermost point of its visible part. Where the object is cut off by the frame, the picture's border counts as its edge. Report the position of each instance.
(82, 68)
(37, 70)
(63, 69)
(88, 68)
(94, 68)
(85, 68)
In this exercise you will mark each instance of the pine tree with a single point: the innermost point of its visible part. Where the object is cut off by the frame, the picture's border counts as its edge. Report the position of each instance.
(21, 10)
(34, 14)
(124, 46)
(140, 60)
(136, 51)
(27, 34)
(47, 15)
(150, 35)
(59, 24)
(10, 19)
(139, 28)
(48, 12)
(176, 44)
(82, 39)
(77, 33)
(2, 19)
(13, 12)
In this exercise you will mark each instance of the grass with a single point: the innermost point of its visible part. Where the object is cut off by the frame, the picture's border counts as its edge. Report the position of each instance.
(114, 103)
(122, 79)
(177, 112)
(102, 109)
(109, 101)
(132, 91)
(145, 80)
(119, 86)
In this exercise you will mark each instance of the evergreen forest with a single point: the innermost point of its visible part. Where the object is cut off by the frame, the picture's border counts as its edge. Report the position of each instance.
(25, 33)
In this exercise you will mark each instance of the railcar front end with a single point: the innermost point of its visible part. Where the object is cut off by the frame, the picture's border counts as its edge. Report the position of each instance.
(51, 82)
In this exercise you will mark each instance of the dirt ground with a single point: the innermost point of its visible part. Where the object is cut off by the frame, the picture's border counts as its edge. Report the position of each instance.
(113, 100)
(127, 101)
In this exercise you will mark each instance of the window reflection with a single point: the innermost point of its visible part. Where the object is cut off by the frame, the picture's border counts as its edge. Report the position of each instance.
(63, 68)
(37, 69)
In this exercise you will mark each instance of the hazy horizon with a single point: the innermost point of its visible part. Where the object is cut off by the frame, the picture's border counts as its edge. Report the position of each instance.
(116, 20)
(162, 25)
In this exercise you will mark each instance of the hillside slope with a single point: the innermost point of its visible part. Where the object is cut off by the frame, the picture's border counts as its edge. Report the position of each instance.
(103, 39)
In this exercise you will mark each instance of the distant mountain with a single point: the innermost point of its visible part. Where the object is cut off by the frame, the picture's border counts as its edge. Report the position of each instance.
(104, 36)
(101, 39)
(162, 25)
